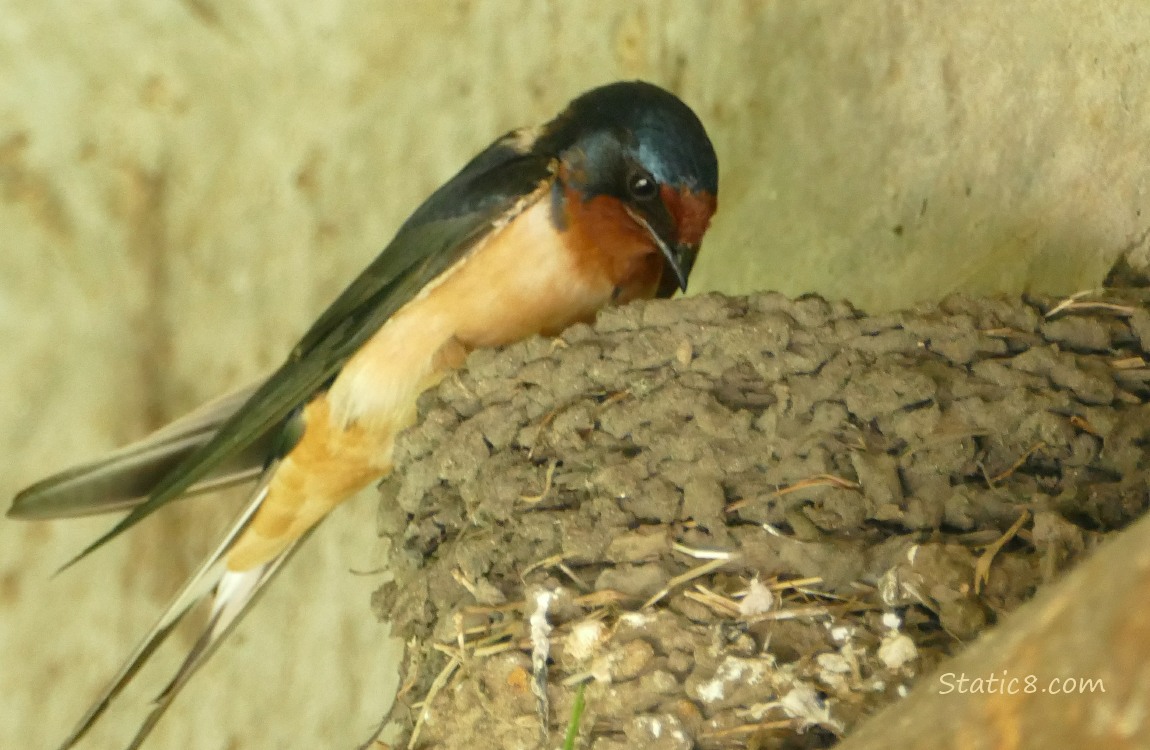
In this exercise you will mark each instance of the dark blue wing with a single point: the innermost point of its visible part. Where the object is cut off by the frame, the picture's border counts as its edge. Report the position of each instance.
(437, 235)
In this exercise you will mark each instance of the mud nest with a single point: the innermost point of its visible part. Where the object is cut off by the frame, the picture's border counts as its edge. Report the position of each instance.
(747, 522)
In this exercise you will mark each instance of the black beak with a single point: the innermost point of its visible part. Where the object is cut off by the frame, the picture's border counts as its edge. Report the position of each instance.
(679, 257)
(679, 260)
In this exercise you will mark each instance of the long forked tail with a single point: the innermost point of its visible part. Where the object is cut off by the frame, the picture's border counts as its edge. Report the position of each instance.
(126, 477)
(232, 594)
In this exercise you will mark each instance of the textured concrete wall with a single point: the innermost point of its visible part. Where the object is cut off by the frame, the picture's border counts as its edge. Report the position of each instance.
(184, 186)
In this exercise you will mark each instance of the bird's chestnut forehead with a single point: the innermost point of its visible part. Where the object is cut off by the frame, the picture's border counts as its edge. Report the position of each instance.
(691, 211)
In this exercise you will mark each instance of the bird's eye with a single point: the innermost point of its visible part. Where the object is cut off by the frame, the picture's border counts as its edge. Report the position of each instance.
(642, 186)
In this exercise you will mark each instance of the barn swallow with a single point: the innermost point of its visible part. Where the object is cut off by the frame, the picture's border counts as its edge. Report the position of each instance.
(606, 203)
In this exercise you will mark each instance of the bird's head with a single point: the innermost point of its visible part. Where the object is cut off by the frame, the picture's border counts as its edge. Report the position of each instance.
(641, 163)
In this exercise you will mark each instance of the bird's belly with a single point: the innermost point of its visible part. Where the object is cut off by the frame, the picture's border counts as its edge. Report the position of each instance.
(348, 433)
(520, 282)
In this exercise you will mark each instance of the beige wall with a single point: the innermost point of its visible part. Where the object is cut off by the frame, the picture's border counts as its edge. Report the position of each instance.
(184, 185)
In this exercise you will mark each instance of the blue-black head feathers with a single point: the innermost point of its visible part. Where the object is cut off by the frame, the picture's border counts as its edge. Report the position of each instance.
(653, 126)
